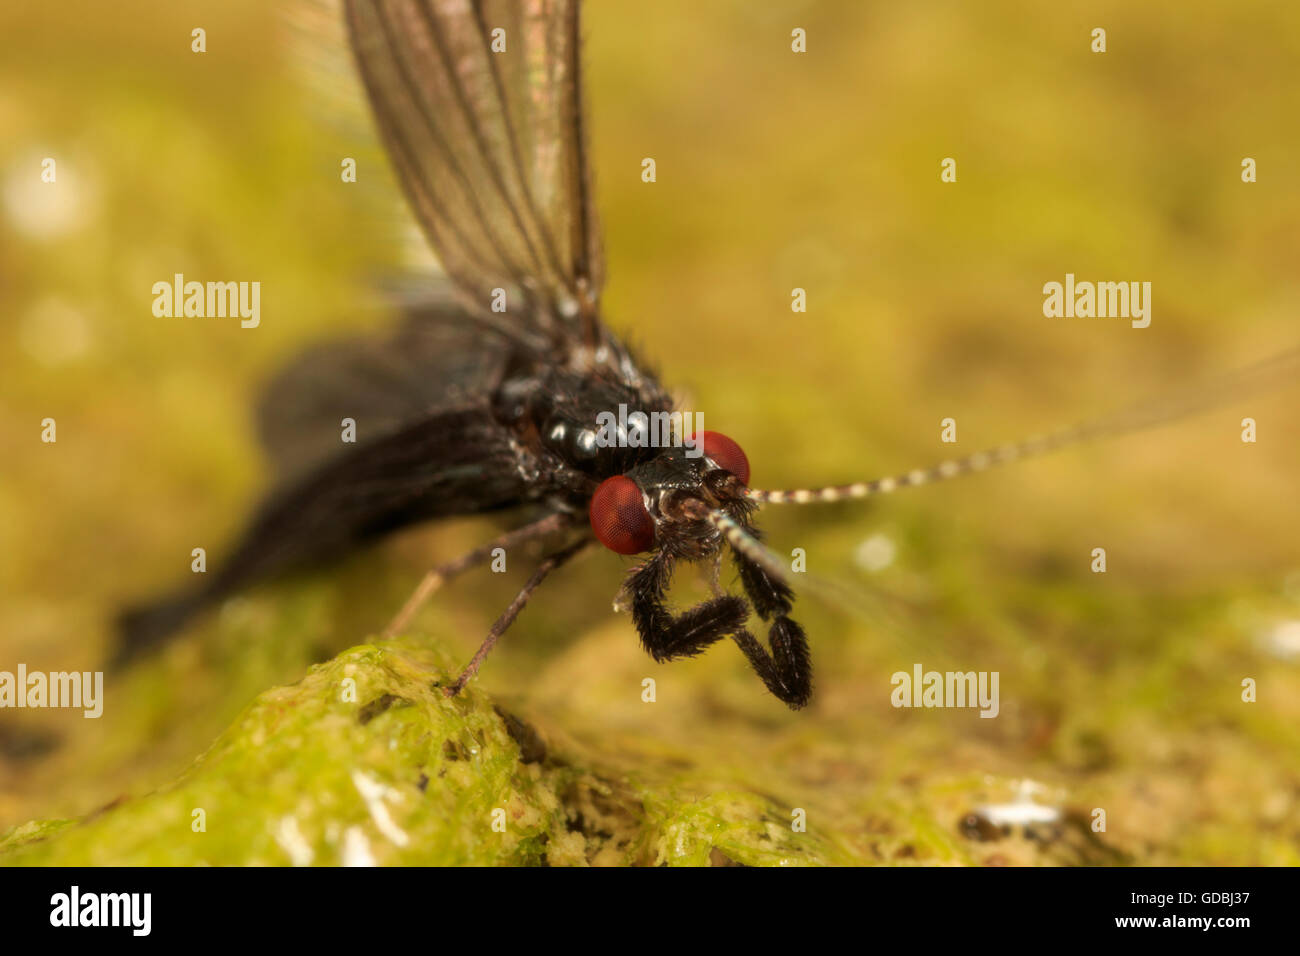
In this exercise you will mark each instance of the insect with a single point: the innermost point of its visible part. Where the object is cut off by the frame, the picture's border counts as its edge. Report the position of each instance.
(470, 408)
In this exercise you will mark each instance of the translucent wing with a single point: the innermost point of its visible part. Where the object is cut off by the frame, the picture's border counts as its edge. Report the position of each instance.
(479, 104)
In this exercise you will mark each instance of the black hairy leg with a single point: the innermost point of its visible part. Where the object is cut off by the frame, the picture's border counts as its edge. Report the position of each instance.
(786, 668)
(668, 638)
(437, 577)
(508, 616)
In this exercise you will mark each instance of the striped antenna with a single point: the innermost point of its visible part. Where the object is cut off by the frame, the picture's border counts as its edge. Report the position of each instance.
(754, 551)
(749, 547)
(1283, 369)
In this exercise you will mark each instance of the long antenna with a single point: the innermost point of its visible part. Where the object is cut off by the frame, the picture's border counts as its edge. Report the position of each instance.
(748, 546)
(753, 550)
(1278, 371)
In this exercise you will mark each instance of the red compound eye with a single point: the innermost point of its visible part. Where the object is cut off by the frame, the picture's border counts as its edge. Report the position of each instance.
(726, 453)
(619, 516)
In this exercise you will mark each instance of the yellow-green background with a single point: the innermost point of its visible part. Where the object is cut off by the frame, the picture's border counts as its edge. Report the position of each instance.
(775, 170)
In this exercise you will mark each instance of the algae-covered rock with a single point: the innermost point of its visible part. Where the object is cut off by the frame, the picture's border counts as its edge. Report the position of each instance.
(366, 761)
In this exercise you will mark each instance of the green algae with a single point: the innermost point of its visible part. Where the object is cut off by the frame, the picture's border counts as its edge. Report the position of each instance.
(365, 761)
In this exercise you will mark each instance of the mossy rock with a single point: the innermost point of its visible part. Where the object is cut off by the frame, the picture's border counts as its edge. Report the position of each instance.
(366, 761)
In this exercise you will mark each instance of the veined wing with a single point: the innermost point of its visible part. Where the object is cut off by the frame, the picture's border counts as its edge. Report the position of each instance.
(479, 104)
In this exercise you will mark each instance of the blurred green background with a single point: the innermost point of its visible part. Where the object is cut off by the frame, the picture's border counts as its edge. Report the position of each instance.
(775, 170)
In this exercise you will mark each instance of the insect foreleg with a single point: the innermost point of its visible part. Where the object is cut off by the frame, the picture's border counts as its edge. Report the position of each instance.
(668, 638)
(787, 668)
